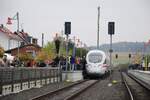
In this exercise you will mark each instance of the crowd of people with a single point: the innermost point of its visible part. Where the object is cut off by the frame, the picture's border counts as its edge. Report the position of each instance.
(141, 66)
(74, 63)
(5, 62)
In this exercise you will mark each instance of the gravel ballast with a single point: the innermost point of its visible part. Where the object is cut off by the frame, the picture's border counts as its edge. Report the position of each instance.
(102, 91)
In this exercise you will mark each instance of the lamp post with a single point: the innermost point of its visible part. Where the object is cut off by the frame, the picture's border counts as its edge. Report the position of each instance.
(16, 17)
(17, 21)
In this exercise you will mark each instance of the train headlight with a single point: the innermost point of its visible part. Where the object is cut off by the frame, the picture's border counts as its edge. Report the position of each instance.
(88, 65)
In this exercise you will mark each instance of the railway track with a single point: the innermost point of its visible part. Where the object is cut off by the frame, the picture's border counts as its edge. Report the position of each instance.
(141, 82)
(69, 92)
(137, 89)
(127, 86)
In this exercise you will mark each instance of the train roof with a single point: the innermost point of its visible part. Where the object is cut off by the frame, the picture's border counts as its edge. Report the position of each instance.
(96, 50)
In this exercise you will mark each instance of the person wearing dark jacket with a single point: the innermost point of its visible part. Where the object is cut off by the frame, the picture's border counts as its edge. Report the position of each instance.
(56, 60)
(83, 63)
(72, 62)
(84, 67)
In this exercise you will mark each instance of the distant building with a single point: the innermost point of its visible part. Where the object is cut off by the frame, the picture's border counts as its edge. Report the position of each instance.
(32, 49)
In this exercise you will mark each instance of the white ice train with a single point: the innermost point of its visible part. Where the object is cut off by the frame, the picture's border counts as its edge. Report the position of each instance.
(97, 63)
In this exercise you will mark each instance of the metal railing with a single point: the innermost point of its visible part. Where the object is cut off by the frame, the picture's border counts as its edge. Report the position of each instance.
(17, 79)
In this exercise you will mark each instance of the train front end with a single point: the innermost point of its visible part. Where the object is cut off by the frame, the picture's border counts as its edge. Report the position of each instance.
(96, 63)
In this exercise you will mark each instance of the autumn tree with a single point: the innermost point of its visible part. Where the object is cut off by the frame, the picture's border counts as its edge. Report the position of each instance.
(1, 52)
(137, 58)
(47, 52)
(80, 52)
(25, 57)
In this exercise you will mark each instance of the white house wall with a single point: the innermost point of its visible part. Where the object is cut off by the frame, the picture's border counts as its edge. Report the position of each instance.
(4, 41)
(13, 43)
(8, 43)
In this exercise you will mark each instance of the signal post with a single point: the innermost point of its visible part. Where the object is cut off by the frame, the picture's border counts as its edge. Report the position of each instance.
(111, 31)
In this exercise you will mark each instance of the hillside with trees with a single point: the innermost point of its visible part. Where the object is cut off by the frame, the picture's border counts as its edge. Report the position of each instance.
(125, 47)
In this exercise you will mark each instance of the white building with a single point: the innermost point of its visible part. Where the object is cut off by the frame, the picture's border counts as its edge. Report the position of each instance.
(8, 39)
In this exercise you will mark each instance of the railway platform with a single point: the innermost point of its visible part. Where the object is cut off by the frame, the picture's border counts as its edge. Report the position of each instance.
(98, 91)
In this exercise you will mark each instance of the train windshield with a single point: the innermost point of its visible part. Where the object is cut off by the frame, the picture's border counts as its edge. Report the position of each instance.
(95, 57)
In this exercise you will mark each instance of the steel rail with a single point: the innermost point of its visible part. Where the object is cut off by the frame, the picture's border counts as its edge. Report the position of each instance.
(72, 96)
(139, 81)
(61, 89)
(127, 86)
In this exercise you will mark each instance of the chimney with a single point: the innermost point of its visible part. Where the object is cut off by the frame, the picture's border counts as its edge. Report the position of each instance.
(22, 31)
(34, 41)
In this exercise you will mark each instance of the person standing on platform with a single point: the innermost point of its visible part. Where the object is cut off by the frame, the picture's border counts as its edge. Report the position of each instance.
(56, 60)
(6, 61)
(84, 72)
(72, 62)
(1, 62)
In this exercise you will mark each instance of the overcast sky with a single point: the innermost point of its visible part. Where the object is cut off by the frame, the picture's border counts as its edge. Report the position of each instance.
(132, 18)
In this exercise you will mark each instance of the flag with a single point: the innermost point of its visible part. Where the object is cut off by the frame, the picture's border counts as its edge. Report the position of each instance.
(15, 17)
(9, 21)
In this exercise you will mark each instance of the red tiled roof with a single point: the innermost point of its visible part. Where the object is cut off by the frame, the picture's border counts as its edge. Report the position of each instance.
(10, 34)
(23, 34)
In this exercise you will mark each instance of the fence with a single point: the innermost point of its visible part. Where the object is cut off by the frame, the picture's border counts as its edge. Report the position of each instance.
(17, 79)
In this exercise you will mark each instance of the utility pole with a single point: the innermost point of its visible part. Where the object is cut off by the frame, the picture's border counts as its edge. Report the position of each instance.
(18, 29)
(17, 21)
(98, 27)
(110, 50)
(16, 17)
(74, 39)
(67, 58)
(42, 40)
(74, 51)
